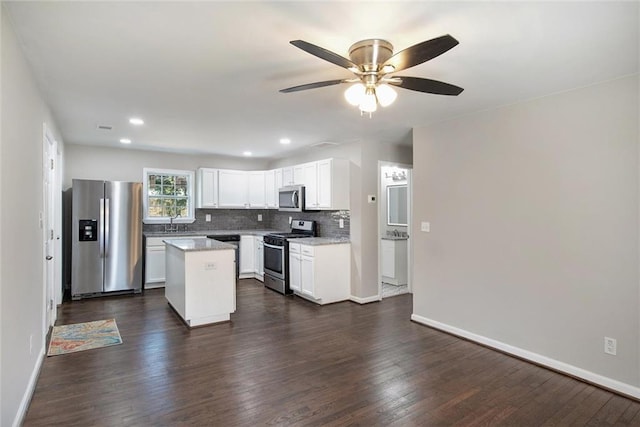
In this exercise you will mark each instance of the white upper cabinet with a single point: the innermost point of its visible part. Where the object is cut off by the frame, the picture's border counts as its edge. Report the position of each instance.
(287, 176)
(298, 175)
(257, 195)
(207, 192)
(310, 174)
(270, 188)
(327, 184)
(233, 189)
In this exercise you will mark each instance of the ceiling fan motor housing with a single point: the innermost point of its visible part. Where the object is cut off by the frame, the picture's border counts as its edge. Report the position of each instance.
(370, 54)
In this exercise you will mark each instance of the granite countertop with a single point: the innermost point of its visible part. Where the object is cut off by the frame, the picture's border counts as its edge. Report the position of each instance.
(207, 233)
(317, 241)
(189, 245)
(395, 238)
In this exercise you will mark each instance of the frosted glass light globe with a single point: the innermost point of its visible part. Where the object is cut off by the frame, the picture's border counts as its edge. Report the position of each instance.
(354, 94)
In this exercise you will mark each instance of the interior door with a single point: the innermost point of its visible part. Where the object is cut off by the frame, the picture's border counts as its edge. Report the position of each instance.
(48, 228)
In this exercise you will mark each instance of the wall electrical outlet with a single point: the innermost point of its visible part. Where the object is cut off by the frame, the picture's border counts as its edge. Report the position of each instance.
(259, 217)
(209, 265)
(207, 217)
(610, 346)
(290, 220)
(425, 226)
(341, 223)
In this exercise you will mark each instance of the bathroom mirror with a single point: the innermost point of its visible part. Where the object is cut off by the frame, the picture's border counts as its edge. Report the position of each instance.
(397, 205)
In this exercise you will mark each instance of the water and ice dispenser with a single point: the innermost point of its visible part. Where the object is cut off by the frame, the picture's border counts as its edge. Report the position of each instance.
(88, 230)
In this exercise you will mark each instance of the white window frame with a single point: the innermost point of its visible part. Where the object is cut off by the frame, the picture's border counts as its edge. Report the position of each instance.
(190, 218)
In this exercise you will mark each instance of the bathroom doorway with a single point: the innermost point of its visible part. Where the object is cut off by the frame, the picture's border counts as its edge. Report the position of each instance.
(394, 223)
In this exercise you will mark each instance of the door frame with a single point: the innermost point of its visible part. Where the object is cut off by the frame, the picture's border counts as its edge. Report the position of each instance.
(382, 214)
(51, 219)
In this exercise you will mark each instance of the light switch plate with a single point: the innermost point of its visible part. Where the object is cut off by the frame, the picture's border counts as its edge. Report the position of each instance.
(425, 226)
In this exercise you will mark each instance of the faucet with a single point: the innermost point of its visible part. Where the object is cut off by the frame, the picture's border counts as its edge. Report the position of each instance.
(172, 227)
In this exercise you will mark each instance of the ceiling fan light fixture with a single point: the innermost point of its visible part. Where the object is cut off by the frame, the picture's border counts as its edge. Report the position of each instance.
(369, 103)
(354, 94)
(386, 95)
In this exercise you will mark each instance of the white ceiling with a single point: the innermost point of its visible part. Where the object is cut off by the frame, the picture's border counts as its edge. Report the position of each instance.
(205, 75)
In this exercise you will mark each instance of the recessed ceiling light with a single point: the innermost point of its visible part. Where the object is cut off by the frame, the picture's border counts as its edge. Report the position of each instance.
(136, 121)
(247, 153)
(285, 141)
(125, 141)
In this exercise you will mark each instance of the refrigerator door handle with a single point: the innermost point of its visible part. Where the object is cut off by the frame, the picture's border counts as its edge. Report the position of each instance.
(106, 228)
(101, 229)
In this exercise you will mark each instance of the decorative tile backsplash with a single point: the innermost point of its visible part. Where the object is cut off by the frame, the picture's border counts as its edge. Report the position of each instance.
(247, 219)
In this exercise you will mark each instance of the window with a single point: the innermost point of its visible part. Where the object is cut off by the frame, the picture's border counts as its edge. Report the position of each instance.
(168, 194)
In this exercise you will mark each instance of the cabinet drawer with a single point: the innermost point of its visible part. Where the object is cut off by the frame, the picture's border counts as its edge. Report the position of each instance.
(307, 250)
(294, 248)
(155, 241)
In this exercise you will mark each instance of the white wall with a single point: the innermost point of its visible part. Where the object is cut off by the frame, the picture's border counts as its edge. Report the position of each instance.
(21, 197)
(534, 228)
(364, 157)
(126, 164)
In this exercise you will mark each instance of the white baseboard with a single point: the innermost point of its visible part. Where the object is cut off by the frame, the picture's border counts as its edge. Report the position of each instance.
(31, 388)
(539, 359)
(374, 298)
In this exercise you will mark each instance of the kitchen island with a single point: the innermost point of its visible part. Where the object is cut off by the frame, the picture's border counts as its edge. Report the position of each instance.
(200, 280)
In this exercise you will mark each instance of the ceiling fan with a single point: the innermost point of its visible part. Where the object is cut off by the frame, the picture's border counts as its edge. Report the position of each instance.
(373, 62)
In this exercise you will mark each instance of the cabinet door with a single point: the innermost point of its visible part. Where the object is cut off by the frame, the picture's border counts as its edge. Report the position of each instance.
(247, 254)
(310, 171)
(154, 271)
(294, 272)
(257, 195)
(388, 259)
(307, 285)
(324, 184)
(287, 176)
(298, 175)
(259, 257)
(279, 183)
(233, 189)
(270, 189)
(207, 188)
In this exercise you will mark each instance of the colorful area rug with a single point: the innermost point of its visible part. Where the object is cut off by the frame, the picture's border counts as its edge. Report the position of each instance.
(83, 336)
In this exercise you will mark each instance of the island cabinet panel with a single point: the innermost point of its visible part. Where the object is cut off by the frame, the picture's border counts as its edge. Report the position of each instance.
(201, 284)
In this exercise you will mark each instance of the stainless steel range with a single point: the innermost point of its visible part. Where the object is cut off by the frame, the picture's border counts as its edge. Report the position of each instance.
(276, 254)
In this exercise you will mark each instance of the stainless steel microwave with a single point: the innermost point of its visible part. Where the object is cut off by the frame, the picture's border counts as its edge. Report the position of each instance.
(291, 198)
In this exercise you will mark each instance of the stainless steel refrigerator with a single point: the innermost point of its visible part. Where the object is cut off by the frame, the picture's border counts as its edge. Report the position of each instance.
(107, 237)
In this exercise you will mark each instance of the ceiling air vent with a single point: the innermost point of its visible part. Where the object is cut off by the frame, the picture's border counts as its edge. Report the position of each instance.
(104, 127)
(324, 144)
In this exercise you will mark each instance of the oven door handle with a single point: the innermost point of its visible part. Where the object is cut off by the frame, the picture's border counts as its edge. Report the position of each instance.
(273, 247)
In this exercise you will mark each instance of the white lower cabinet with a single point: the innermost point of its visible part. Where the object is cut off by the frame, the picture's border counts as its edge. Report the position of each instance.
(321, 273)
(394, 262)
(259, 258)
(247, 257)
(155, 260)
(154, 263)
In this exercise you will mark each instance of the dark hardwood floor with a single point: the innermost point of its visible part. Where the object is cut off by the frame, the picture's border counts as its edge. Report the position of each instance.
(285, 361)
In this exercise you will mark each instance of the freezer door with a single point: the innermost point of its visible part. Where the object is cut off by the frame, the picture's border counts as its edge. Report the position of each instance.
(87, 266)
(123, 236)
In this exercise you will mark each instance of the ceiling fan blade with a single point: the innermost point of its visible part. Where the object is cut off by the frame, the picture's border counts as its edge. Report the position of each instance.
(313, 85)
(325, 54)
(427, 85)
(421, 52)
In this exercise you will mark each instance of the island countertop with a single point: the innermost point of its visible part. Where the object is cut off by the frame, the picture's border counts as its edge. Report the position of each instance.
(190, 245)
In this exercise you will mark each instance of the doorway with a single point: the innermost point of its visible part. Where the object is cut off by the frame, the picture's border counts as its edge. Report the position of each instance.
(394, 222)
